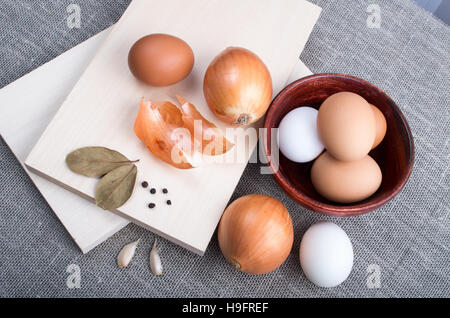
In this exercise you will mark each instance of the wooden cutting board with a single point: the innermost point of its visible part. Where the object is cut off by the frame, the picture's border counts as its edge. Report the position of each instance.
(102, 107)
(47, 87)
(27, 106)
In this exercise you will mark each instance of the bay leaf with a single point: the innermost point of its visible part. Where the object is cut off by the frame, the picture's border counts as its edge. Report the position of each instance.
(116, 187)
(95, 161)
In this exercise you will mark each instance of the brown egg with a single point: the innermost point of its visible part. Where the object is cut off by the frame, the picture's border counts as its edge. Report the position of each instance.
(380, 126)
(346, 125)
(345, 181)
(160, 59)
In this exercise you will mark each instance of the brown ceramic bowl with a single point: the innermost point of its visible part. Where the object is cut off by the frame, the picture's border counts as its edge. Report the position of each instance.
(395, 154)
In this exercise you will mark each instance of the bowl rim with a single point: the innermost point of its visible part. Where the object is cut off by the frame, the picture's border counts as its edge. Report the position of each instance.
(329, 208)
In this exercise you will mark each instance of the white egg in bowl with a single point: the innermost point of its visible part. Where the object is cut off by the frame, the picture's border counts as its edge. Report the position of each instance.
(298, 137)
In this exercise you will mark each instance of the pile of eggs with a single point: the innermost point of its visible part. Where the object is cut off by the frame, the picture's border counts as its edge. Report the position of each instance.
(348, 127)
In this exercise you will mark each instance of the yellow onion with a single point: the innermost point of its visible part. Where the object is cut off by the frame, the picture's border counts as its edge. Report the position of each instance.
(256, 233)
(237, 86)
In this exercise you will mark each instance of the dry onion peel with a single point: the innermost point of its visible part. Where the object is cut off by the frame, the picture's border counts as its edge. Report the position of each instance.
(237, 86)
(154, 125)
(168, 132)
(213, 141)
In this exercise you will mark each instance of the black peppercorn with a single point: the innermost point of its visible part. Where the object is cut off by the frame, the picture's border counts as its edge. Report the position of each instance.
(164, 190)
(152, 190)
(145, 184)
(151, 205)
(169, 202)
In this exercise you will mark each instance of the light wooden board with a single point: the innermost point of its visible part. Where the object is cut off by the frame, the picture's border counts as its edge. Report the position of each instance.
(46, 88)
(26, 107)
(102, 107)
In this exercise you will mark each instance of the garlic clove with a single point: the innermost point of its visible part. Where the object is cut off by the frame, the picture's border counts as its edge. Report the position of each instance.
(126, 254)
(155, 261)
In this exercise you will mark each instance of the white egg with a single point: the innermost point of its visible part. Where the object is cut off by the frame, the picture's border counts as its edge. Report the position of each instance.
(298, 137)
(326, 254)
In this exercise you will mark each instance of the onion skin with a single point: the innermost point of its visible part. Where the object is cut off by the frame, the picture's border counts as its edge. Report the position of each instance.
(213, 141)
(237, 86)
(156, 122)
(256, 233)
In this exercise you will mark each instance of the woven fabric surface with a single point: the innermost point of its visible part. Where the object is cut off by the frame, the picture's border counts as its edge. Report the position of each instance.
(407, 56)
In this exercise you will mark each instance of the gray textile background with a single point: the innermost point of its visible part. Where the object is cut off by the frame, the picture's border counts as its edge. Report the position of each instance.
(408, 57)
